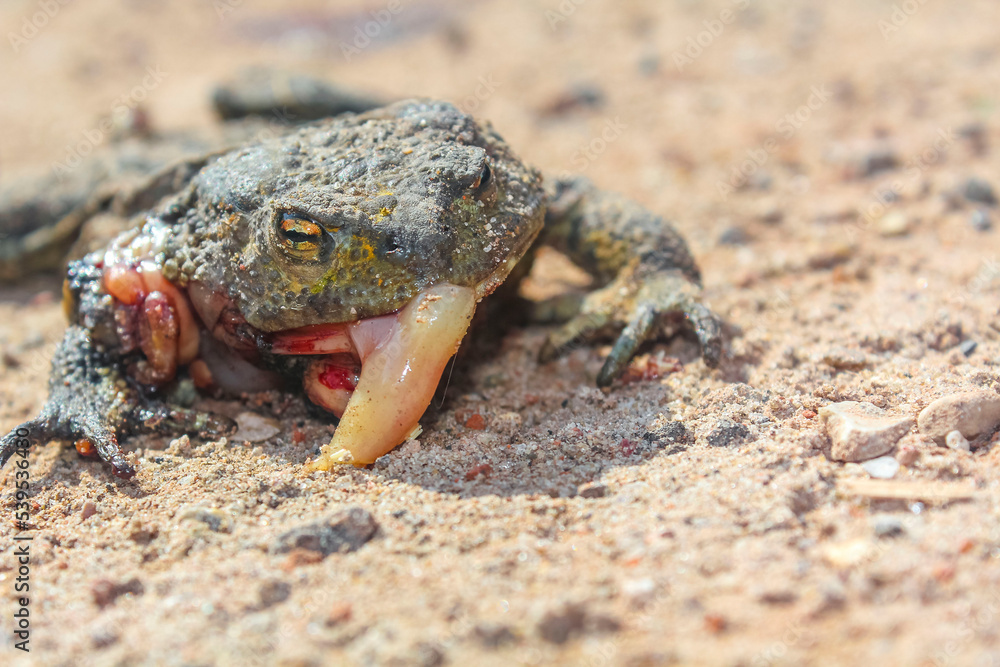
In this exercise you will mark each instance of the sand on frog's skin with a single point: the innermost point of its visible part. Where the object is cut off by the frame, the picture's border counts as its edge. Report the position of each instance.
(758, 551)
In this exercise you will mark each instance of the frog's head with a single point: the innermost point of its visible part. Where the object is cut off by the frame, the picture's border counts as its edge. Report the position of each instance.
(351, 218)
(367, 239)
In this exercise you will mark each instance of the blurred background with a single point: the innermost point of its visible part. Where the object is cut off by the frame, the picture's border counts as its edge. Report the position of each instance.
(658, 99)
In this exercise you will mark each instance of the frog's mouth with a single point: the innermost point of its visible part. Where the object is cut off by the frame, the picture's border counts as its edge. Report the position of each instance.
(379, 374)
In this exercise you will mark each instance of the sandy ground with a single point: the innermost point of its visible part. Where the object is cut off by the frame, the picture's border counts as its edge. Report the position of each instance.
(570, 529)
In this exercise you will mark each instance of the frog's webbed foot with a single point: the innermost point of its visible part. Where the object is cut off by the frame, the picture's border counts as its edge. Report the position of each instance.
(90, 399)
(637, 303)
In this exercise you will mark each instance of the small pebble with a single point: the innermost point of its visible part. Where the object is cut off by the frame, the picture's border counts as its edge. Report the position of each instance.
(884, 467)
(862, 431)
(888, 526)
(592, 490)
(896, 223)
(216, 520)
(559, 625)
(977, 136)
(666, 433)
(273, 592)
(980, 220)
(845, 555)
(845, 359)
(339, 613)
(728, 433)
(105, 591)
(971, 413)
(967, 347)
(347, 530)
(955, 440)
(639, 592)
(493, 635)
(880, 158)
(650, 64)
(979, 191)
(88, 510)
(776, 596)
(476, 422)
(770, 212)
(255, 428)
(583, 96)
(733, 236)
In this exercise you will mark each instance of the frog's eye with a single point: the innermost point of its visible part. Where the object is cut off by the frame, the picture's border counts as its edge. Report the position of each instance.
(484, 188)
(301, 236)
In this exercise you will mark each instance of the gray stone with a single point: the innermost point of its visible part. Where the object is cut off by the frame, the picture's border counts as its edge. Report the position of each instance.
(888, 526)
(728, 433)
(345, 531)
(980, 220)
(979, 191)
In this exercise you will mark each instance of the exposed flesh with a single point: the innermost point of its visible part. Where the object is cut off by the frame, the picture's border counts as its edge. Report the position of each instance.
(403, 357)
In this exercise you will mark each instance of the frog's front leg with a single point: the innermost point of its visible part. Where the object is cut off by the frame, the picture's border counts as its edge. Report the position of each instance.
(643, 267)
(91, 399)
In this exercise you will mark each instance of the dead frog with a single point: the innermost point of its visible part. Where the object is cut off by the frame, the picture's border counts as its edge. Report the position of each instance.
(350, 254)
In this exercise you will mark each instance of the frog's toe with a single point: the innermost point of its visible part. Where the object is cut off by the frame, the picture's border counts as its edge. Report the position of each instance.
(103, 438)
(582, 327)
(632, 336)
(638, 306)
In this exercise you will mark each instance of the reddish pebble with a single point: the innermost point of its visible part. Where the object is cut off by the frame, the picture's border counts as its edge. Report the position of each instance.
(299, 557)
(627, 447)
(475, 422)
(943, 572)
(715, 623)
(88, 510)
(809, 414)
(339, 613)
(965, 546)
(298, 436)
(485, 470)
